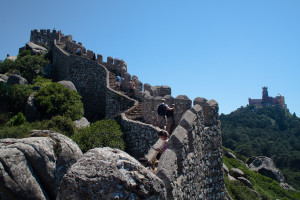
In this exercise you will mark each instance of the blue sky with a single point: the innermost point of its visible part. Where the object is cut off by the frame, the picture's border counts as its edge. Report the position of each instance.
(222, 50)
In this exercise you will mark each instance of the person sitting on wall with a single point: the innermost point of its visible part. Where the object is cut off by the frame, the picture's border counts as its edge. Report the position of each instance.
(164, 136)
(118, 82)
(170, 119)
(161, 118)
(78, 52)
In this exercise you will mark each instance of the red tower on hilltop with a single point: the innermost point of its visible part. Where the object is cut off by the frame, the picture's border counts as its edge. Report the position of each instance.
(268, 101)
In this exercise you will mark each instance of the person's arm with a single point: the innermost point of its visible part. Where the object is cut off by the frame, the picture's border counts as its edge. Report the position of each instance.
(168, 108)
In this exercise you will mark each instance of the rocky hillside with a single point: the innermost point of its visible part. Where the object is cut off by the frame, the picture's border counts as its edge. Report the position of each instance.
(266, 131)
(255, 178)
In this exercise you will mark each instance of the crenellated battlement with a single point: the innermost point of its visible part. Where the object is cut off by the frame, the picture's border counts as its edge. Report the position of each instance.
(45, 37)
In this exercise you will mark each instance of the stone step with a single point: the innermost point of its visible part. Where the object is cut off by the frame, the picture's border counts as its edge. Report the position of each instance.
(136, 114)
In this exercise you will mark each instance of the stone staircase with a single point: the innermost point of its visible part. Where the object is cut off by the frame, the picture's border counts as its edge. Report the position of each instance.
(136, 113)
(112, 80)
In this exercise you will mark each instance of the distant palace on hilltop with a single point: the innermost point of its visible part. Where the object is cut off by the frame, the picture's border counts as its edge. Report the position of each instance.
(268, 101)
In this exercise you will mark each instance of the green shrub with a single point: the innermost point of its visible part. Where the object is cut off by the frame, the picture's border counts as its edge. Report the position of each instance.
(41, 82)
(104, 133)
(17, 120)
(24, 53)
(62, 124)
(15, 131)
(23, 130)
(238, 190)
(54, 99)
(4, 92)
(5, 66)
(4, 118)
(30, 66)
(18, 97)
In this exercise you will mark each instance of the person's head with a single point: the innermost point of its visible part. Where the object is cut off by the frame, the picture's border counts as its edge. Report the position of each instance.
(163, 135)
(163, 100)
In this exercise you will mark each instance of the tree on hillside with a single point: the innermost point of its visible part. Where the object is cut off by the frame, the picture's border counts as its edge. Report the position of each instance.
(270, 131)
(55, 99)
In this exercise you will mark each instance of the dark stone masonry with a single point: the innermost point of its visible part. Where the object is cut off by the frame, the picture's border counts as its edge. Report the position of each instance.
(191, 167)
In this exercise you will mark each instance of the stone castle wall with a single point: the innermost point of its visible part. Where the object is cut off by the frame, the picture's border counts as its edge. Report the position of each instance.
(91, 80)
(191, 167)
(116, 103)
(45, 37)
(139, 137)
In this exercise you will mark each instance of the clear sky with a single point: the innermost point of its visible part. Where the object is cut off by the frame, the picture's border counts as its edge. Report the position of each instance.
(222, 50)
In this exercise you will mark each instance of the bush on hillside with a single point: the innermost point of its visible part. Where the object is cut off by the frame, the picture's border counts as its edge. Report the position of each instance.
(30, 66)
(17, 120)
(4, 118)
(18, 96)
(15, 131)
(270, 131)
(41, 82)
(104, 133)
(62, 125)
(24, 53)
(54, 99)
(4, 92)
(23, 130)
(5, 66)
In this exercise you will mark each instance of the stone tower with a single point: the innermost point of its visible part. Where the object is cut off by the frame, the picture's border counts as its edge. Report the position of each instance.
(265, 95)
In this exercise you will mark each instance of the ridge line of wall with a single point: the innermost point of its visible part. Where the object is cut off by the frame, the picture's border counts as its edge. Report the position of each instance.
(191, 167)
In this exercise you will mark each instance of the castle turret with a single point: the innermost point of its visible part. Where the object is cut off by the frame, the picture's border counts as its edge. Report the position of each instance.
(265, 95)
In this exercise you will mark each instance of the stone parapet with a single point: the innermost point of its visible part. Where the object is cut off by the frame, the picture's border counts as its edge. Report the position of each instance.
(139, 137)
(116, 103)
(150, 103)
(191, 167)
(45, 37)
(72, 47)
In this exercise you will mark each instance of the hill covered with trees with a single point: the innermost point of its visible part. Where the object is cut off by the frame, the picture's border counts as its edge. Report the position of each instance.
(269, 131)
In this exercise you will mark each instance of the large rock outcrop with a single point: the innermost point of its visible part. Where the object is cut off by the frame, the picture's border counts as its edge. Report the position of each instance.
(32, 168)
(81, 123)
(68, 84)
(105, 173)
(16, 79)
(266, 167)
(4, 77)
(36, 49)
(31, 111)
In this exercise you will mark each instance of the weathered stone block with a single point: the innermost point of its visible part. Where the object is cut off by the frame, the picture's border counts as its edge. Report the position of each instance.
(187, 120)
(105, 173)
